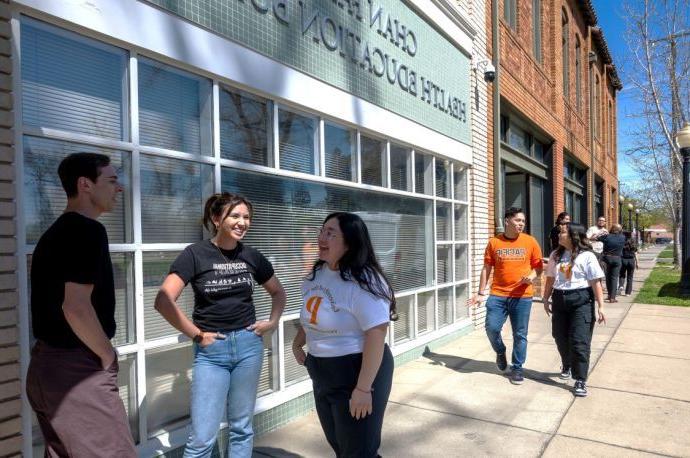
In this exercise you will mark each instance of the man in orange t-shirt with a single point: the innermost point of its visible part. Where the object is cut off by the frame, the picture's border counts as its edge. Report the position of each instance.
(516, 261)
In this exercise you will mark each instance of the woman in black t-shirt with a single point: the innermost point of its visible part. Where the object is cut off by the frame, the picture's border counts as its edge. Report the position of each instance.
(562, 219)
(228, 347)
(613, 249)
(628, 264)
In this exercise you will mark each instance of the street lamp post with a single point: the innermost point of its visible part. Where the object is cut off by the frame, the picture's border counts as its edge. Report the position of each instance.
(630, 209)
(637, 225)
(683, 139)
(621, 199)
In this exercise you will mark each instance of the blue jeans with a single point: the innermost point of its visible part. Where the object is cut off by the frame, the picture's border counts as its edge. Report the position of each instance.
(225, 376)
(498, 309)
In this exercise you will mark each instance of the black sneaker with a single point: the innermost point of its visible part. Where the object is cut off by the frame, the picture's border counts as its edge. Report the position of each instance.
(580, 388)
(501, 361)
(516, 377)
(565, 373)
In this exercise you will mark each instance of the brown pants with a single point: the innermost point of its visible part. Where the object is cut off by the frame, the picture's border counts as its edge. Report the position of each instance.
(77, 404)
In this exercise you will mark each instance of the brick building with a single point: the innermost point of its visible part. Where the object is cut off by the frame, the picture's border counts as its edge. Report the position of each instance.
(558, 88)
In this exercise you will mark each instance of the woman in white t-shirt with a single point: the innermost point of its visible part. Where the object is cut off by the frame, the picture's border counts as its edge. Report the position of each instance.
(348, 303)
(573, 275)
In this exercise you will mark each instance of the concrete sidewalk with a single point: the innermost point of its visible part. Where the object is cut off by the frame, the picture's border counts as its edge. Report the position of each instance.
(453, 402)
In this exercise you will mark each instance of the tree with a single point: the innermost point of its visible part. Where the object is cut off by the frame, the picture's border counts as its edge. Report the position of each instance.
(658, 71)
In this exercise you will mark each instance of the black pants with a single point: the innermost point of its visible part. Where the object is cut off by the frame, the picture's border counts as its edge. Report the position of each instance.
(613, 268)
(627, 271)
(334, 379)
(572, 324)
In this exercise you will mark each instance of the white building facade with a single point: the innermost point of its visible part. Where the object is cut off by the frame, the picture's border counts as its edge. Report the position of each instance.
(304, 107)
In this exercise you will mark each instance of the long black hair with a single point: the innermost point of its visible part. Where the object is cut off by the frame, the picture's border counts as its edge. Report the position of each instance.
(578, 237)
(359, 262)
(561, 216)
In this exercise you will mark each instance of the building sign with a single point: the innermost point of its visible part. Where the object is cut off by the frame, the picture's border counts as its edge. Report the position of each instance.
(378, 50)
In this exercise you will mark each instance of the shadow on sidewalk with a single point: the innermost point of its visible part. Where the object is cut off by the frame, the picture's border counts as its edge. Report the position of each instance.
(468, 366)
(260, 452)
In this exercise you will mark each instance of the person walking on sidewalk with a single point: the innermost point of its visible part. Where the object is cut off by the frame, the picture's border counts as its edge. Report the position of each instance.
(613, 244)
(629, 264)
(562, 219)
(348, 303)
(516, 260)
(72, 378)
(573, 275)
(593, 235)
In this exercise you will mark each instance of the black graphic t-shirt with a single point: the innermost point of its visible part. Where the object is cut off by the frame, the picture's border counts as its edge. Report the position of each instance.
(223, 282)
(74, 249)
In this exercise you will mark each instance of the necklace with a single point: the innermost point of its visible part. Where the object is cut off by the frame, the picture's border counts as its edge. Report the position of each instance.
(223, 254)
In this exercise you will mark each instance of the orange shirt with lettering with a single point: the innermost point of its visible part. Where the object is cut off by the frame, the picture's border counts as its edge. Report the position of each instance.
(511, 260)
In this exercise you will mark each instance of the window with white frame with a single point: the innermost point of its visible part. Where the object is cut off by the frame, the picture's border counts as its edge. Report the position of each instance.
(76, 97)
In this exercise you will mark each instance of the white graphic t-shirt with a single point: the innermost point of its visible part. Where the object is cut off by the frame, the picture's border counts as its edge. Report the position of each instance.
(577, 275)
(336, 313)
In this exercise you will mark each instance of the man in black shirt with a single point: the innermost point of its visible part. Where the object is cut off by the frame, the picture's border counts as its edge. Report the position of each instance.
(72, 377)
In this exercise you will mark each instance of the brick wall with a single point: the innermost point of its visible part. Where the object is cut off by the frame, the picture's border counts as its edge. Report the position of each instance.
(10, 402)
(535, 90)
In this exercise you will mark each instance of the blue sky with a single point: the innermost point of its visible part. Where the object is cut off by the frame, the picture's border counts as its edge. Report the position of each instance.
(612, 23)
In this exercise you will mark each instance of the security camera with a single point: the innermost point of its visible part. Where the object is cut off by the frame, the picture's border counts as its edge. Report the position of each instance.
(489, 73)
(488, 68)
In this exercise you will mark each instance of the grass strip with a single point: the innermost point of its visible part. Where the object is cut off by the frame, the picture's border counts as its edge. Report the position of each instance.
(662, 287)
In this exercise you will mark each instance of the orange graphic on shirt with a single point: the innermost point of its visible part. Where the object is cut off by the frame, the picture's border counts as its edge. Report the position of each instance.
(312, 306)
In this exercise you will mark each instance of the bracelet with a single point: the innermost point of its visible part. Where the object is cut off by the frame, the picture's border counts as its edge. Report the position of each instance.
(364, 391)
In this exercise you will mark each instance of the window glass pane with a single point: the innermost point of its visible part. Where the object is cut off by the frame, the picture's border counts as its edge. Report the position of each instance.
(400, 165)
(156, 268)
(123, 274)
(127, 387)
(403, 328)
(168, 381)
(461, 219)
(442, 172)
(174, 108)
(539, 151)
(520, 140)
(460, 182)
(504, 128)
(340, 146)
(372, 161)
(443, 264)
(462, 310)
(293, 372)
(443, 221)
(422, 174)
(461, 261)
(537, 224)
(297, 142)
(425, 312)
(44, 198)
(244, 127)
(268, 379)
(71, 83)
(445, 306)
(402, 237)
(172, 196)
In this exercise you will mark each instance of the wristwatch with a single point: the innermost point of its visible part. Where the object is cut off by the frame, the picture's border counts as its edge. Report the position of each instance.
(199, 337)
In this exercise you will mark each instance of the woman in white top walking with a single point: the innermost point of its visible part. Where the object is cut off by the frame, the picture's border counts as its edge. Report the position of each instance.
(348, 303)
(573, 275)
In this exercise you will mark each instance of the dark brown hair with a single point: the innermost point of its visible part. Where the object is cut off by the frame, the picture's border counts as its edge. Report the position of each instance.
(220, 205)
(78, 165)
